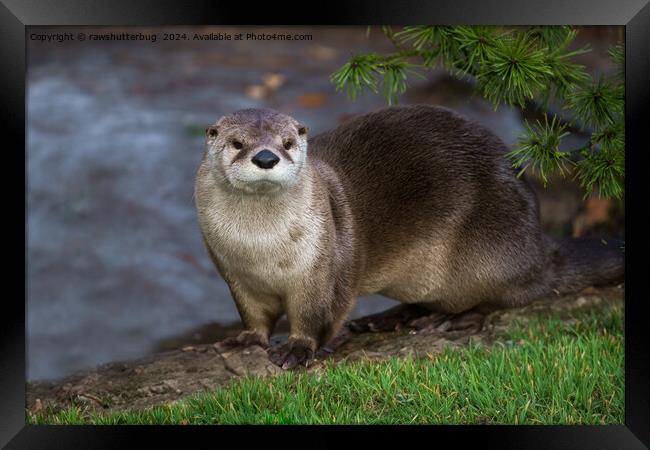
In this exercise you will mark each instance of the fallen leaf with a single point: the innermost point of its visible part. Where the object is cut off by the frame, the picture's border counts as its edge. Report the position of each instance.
(273, 80)
(589, 291)
(256, 91)
(323, 53)
(312, 100)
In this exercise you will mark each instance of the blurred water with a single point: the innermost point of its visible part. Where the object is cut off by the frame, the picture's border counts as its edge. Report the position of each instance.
(115, 258)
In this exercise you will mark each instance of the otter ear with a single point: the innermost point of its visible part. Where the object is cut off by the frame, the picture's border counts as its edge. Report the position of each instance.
(302, 130)
(212, 132)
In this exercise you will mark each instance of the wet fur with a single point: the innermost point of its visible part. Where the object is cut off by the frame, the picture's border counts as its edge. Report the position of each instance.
(415, 202)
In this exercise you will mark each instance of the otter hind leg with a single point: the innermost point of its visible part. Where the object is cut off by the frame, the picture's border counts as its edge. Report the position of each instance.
(466, 322)
(389, 320)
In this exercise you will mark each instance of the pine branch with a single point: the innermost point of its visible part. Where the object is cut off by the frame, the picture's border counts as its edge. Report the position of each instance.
(362, 72)
(617, 53)
(539, 148)
(433, 42)
(355, 75)
(597, 103)
(551, 36)
(604, 171)
(516, 66)
(514, 71)
(475, 42)
(565, 74)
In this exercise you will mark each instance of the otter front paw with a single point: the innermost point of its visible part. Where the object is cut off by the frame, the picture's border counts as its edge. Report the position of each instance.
(244, 339)
(291, 354)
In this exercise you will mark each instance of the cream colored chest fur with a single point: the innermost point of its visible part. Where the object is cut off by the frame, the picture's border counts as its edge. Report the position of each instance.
(267, 247)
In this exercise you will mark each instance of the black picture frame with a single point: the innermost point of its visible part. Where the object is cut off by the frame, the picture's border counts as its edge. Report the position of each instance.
(16, 15)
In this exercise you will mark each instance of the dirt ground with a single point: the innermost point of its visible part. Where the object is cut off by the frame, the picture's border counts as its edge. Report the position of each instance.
(169, 376)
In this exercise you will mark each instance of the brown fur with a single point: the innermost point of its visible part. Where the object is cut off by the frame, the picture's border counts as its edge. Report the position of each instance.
(416, 203)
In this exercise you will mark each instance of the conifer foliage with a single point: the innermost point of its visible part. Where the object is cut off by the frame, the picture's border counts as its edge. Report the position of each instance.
(516, 66)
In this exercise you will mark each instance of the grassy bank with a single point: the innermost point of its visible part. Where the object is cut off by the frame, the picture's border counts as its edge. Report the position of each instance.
(543, 372)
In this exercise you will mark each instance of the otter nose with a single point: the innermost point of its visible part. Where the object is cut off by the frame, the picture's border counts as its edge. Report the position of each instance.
(265, 159)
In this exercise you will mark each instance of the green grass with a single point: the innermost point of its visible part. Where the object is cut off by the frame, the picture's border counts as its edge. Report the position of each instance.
(544, 372)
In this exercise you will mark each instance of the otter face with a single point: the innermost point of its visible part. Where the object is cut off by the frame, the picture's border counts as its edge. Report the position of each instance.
(258, 151)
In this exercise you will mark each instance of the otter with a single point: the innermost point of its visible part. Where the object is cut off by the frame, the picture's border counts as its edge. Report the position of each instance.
(416, 203)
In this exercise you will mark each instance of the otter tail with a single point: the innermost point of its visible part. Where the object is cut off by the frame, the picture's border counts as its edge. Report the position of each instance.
(583, 262)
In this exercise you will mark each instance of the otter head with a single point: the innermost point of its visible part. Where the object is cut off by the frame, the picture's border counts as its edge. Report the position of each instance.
(257, 151)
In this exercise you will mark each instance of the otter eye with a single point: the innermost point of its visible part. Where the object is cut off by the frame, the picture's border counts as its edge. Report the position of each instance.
(237, 144)
(288, 145)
